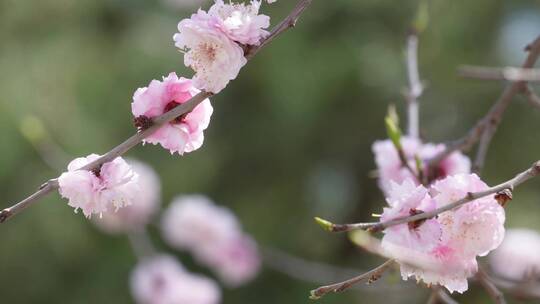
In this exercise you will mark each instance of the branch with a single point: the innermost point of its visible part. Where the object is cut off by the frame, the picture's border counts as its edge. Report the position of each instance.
(438, 295)
(415, 85)
(501, 189)
(370, 276)
(157, 122)
(284, 25)
(141, 243)
(534, 100)
(494, 116)
(494, 293)
(301, 269)
(445, 298)
(507, 73)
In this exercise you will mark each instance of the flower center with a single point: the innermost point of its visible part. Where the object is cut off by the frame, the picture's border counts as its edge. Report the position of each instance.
(178, 120)
(415, 224)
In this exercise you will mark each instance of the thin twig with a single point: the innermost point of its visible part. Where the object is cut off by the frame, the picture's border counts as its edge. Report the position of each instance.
(287, 23)
(415, 85)
(300, 269)
(445, 298)
(507, 73)
(433, 296)
(494, 115)
(533, 171)
(369, 276)
(157, 122)
(494, 293)
(438, 295)
(141, 243)
(534, 100)
(520, 289)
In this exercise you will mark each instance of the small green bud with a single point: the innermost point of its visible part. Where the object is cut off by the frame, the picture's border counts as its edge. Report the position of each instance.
(421, 19)
(326, 225)
(32, 129)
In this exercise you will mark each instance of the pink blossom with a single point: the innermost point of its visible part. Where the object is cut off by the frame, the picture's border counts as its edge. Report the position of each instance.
(476, 227)
(214, 57)
(240, 22)
(143, 207)
(390, 167)
(162, 280)
(405, 200)
(443, 249)
(214, 237)
(183, 134)
(114, 185)
(471, 230)
(518, 256)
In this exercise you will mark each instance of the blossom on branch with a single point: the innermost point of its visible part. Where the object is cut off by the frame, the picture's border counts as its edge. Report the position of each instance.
(113, 186)
(162, 280)
(213, 235)
(214, 57)
(444, 248)
(240, 22)
(390, 168)
(143, 207)
(183, 134)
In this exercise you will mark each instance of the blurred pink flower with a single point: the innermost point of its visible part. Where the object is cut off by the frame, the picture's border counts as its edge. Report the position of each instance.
(214, 57)
(162, 280)
(390, 168)
(240, 22)
(238, 261)
(183, 134)
(143, 207)
(518, 257)
(114, 185)
(214, 237)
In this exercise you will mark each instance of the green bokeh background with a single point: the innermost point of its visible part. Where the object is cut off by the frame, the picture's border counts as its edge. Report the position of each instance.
(290, 138)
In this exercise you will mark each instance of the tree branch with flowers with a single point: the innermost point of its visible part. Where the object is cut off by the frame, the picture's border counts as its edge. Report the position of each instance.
(440, 216)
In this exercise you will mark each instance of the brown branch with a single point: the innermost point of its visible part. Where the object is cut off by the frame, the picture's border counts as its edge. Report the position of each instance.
(415, 85)
(287, 23)
(369, 276)
(507, 73)
(522, 177)
(157, 122)
(494, 116)
(494, 293)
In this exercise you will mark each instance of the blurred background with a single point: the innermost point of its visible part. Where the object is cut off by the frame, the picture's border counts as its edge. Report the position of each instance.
(290, 138)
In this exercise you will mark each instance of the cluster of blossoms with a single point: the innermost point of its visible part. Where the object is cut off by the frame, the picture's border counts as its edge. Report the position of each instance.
(444, 249)
(439, 250)
(213, 235)
(192, 222)
(162, 280)
(213, 43)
